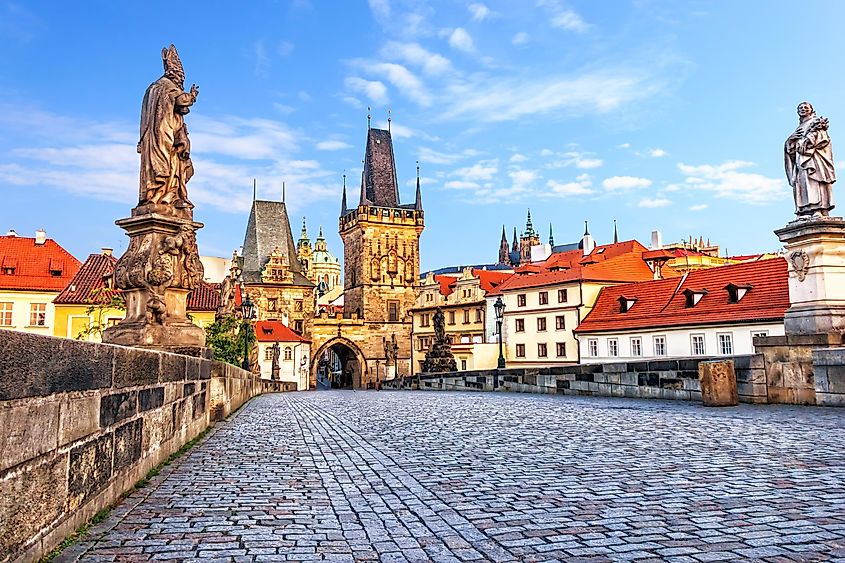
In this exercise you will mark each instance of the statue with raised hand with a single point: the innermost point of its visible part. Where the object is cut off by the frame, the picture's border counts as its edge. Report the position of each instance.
(808, 159)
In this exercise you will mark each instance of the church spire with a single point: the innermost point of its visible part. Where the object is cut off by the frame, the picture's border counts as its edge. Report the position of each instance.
(551, 236)
(615, 233)
(586, 229)
(343, 201)
(283, 191)
(504, 251)
(529, 226)
(515, 247)
(418, 203)
(304, 234)
(254, 189)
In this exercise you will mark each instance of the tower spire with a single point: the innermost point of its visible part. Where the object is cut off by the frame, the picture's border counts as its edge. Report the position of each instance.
(529, 226)
(254, 189)
(283, 191)
(343, 201)
(515, 246)
(388, 119)
(369, 117)
(586, 229)
(418, 202)
(504, 257)
(304, 234)
(551, 236)
(615, 233)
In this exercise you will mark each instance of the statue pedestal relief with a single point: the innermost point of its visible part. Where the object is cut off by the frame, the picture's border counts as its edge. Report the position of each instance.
(161, 265)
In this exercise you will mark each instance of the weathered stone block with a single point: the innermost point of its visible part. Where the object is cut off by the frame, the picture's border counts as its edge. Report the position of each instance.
(205, 369)
(663, 365)
(188, 389)
(158, 428)
(79, 417)
(198, 404)
(718, 383)
(127, 444)
(689, 364)
(584, 377)
(27, 430)
(117, 407)
(619, 367)
(629, 378)
(149, 399)
(30, 500)
(35, 365)
(648, 380)
(638, 366)
(173, 367)
(830, 399)
(90, 469)
(133, 366)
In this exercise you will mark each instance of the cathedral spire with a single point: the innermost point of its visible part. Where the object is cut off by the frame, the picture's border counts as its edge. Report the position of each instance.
(418, 203)
(504, 251)
(551, 236)
(254, 189)
(304, 234)
(343, 201)
(369, 118)
(283, 191)
(529, 226)
(515, 247)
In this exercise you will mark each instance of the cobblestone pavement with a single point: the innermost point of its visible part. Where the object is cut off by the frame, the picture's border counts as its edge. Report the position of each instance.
(432, 476)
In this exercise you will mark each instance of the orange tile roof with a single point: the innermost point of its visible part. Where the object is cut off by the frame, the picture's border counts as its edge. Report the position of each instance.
(33, 264)
(489, 279)
(662, 303)
(446, 284)
(204, 297)
(275, 331)
(87, 285)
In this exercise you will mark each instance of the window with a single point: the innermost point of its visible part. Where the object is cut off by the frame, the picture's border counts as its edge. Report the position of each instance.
(612, 347)
(297, 326)
(520, 350)
(112, 321)
(271, 304)
(520, 300)
(541, 351)
(520, 325)
(425, 319)
(592, 347)
(544, 298)
(697, 346)
(561, 296)
(466, 316)
(464, 365)
(636, 346)
(288, 353)
(268, 353)
(756, 333)
(393, 311)
(726, 344)
(297, 305)
(659, 345)
(541, 324)
(478, 315)
(451, 317)
(37, 314)
(560, 322)
(9, 271)
(560, 347)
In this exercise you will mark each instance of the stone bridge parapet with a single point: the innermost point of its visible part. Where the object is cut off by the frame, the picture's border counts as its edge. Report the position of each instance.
(81, 422)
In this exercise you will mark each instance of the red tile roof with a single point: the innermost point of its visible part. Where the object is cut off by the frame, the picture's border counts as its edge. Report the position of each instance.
(662, 303)
(87, 285)
(205, 297)
(275, 331)
(446, 284)
(489, 279)
(34, 263)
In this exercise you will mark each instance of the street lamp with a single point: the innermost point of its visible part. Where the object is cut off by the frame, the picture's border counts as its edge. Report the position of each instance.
(499, 307)
(247, 310)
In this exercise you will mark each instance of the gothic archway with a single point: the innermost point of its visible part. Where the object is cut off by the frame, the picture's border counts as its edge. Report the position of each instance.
(338, 364)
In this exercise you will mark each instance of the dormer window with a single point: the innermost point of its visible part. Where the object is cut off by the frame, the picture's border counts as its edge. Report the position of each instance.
(10, 264)
(736, 292)
(9, 271)
(625, 303)
(693, 296)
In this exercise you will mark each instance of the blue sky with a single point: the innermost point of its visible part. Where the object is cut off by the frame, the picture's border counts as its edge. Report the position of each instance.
(662, 114)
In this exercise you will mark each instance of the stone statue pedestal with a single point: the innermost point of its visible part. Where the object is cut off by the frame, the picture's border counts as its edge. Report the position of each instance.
(815, 252)
(156, 310)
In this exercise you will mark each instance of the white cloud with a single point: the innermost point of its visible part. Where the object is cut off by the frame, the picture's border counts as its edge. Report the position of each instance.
(479, 11)
(624, 146)
(727, 180)
(547, 152)
(522, 178)
(373, 89)
(563, 18)
(483, 170)
(332, 145)
(581, 186)
(261, 59)
(403, 79)
(657, 153)
(699, 207)
(584, 161)
(415, 54)
(380, 9)
(520, 38)
(625, 183)
(461, 185)
(432, 156)
(461, 40)
(652, 203)
(518, 158)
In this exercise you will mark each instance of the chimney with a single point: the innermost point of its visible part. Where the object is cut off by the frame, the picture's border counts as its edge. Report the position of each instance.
(107, 251)
(40, 237)
(656, 240)
(12, 233)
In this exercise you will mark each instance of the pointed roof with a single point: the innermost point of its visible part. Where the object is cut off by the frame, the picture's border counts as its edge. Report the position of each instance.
(418, 200)
(615, 233)
(87, 286)
(378, 184)
(268, 228)
(504, 236)
(36, 267)
(303, 234)
(343, 209)
(552, 236)
(529, 226)
(515, 246)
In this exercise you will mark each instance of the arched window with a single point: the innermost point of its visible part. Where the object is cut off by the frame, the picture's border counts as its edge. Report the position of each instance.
(288, 353)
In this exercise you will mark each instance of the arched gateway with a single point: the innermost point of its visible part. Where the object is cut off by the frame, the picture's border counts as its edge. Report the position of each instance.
(338, 364)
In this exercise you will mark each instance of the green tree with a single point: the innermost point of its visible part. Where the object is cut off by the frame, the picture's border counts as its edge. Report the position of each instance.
(226, 337)
(103, 300)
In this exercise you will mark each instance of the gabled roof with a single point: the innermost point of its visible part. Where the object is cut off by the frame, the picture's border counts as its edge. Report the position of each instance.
(33, 264)
(379, 186)
(204, 297)
(447, 284)
(489, 280)
(275, 331)
(86, 287)
(662, 303)
(269, 228)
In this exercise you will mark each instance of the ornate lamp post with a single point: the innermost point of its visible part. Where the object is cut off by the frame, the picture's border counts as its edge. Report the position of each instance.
(248, 312)
(499, 307)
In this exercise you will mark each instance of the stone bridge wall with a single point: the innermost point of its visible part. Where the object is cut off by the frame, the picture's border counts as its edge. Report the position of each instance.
(655, 379)
(80, 423)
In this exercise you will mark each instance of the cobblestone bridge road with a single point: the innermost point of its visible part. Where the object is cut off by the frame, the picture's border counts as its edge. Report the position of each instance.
(428, 476)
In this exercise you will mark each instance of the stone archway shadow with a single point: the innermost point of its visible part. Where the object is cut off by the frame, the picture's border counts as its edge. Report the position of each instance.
(349, 353)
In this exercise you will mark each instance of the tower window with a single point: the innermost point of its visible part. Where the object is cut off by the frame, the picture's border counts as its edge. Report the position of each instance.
(393, 311)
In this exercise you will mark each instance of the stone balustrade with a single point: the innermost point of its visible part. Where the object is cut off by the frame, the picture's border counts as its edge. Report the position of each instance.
(81, 423)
